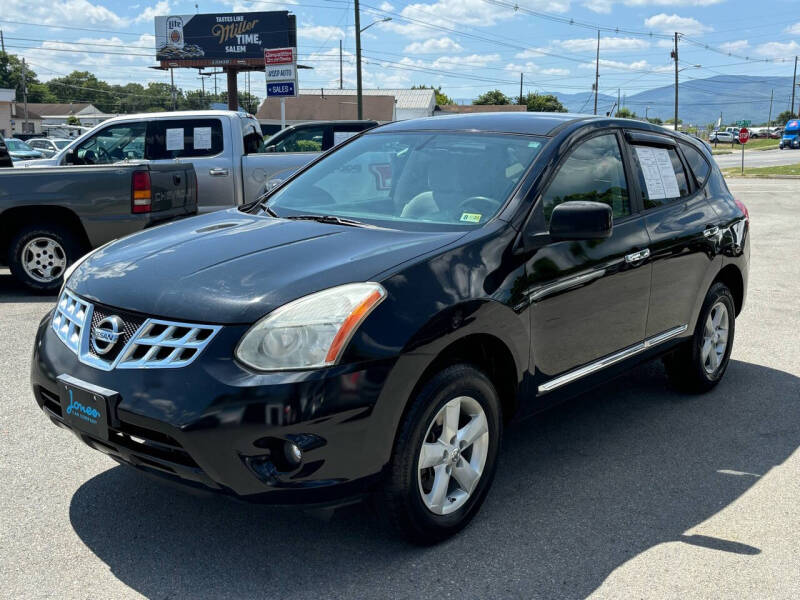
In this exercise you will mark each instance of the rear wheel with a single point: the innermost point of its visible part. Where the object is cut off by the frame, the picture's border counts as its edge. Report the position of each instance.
(444, 457)
(40, 254)
(699, 364)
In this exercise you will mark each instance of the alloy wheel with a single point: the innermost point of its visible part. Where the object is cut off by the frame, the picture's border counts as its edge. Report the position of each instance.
(715, 338)
(453, 455)
(43, 259)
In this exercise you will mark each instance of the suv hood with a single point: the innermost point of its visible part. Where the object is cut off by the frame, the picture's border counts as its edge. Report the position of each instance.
(231, 267)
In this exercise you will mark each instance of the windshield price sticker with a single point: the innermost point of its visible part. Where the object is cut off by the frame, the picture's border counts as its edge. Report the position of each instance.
(659, 176)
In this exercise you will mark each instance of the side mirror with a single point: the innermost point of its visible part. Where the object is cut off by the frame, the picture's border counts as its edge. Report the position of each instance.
(581, 220)
(69, 157)
(270, 148)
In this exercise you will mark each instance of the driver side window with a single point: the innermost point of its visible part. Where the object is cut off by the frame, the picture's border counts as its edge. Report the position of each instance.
(113, 144)
(593, 171)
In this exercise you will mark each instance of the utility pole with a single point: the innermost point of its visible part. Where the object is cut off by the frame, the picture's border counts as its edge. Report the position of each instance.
(675, 57)
(359, 98)
(25, 94)
(769, 119)
(341, 70)
(618, 106)
(520, 88)
(597, 72)
(794, 85)
(2, 41)
(172, 85)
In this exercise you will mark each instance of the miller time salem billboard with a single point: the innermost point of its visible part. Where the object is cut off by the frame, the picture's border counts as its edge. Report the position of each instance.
(222, 38)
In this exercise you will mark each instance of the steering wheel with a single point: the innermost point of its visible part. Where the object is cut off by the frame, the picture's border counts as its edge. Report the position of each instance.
(103, 154)
(489, 203)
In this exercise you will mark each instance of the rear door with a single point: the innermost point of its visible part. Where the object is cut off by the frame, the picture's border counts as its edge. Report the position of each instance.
(588, 299)
(682, 227)
(200, 141)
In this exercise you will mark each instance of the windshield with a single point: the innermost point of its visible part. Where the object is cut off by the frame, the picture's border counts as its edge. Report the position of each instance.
(425, 179)
(17, 145)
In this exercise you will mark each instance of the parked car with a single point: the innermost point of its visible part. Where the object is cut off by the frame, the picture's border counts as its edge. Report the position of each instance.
(791, 135)
(371, 325)
(222, 145)
(317, 136)
(724, 136)
(49, 146)
(49, 217)
(19, 150)
(5, 158)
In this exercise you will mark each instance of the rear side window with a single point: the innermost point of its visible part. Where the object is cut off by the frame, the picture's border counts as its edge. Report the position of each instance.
(183, 138)
(662, 178)
(593, 171)
(697, 163)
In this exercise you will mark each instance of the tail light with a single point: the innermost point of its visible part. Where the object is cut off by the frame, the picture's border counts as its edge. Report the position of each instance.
(743, 208)
(141, 195)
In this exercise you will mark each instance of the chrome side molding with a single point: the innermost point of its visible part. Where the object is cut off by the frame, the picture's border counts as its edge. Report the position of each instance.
(607, 361)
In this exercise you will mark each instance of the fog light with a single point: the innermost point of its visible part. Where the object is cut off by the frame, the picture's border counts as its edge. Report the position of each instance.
(293, 453)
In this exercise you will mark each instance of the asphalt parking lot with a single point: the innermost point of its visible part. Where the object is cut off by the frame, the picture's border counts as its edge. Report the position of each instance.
(630, 491)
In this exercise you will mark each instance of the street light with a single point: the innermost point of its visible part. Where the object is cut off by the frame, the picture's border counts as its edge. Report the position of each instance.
(358, 55)
(677, 70)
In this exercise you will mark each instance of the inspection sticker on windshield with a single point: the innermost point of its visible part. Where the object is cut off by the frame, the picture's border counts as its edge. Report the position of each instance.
(471, 217)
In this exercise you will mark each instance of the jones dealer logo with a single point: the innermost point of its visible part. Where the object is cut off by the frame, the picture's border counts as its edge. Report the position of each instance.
(87, 413)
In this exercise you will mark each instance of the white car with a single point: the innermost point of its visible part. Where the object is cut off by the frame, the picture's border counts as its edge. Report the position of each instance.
(723, 136)
(49, 146)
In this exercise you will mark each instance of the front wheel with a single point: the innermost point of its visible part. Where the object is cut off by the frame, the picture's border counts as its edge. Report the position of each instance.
(444, 457)
(699, 364)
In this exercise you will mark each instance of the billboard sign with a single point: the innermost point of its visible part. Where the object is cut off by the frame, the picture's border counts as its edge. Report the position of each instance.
(278, 56)
(280, 73)
(222, 39)
(280, 68)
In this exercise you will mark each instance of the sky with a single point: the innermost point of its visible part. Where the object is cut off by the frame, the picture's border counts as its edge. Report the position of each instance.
(465, 46)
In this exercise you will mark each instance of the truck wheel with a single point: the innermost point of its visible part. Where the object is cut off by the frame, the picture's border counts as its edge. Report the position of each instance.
(699, 364)
(39, 255)
(444, 457)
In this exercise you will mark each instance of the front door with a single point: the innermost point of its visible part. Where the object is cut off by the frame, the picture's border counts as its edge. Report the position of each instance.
(588, 299)
(200, 141)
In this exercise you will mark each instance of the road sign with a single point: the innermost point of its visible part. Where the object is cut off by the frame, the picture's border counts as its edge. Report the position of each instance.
(280, 72)
(281, 89)
(744, 135)
(743, 123)
(279, 56)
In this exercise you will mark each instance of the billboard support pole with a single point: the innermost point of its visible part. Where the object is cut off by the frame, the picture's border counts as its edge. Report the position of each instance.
(283, 113)
(233, 91)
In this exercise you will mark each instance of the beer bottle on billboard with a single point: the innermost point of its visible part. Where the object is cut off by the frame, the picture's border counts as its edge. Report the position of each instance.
(175, 31)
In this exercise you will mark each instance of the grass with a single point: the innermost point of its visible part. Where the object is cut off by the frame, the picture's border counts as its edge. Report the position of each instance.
(759, 144)
(763, 171)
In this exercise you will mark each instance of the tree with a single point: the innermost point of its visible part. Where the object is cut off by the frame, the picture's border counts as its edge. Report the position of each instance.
(626, 113)
(493, 97)
(671, 121)
(655, 121)
(543, 103)
(785, 117)
(11, 78)
(442, 99)
(73, 120)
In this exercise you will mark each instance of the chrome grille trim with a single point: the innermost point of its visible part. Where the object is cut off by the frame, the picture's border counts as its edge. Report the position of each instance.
(156, 344)
(70, 318)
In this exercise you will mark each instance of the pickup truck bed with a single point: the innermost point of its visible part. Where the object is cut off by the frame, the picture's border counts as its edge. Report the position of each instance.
(51, 216)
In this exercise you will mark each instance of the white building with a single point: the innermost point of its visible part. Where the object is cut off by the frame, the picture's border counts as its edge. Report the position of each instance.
(6, 101)
(408, 104)
(57, 114)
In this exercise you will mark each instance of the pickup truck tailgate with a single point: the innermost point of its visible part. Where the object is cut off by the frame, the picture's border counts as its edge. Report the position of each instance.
(174, 186)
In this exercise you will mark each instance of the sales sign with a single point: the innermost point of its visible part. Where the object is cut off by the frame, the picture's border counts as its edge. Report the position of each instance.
(280, 73)
(283, 88)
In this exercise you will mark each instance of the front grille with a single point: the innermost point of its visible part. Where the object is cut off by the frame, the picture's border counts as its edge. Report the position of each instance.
(143, 343)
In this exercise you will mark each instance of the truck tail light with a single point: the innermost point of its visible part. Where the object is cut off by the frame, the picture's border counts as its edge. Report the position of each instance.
(141, 196)
(743, 208)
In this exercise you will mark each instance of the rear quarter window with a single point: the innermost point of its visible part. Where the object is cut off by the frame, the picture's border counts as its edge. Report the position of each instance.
(697, 163)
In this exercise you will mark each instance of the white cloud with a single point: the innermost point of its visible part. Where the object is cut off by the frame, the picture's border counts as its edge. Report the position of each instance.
(669, 23)
(433, 46)
(63, 12)
(532, 68)
(637, 65)
(473, 60)
(160, 9)
(605, 6)
(793, 29)
(320, 32)
(735, 47)
(778, 49)
(451, 13)
(607, 44)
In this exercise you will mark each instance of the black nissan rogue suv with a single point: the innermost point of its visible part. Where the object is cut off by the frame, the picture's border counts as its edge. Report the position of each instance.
(367, 328)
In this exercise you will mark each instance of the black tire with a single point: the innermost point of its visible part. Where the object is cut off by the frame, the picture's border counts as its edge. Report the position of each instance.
(68, 244)
(401, 499)
(685, 366)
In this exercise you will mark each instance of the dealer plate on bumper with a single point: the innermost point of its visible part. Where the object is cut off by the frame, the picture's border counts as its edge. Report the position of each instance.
(86, 407)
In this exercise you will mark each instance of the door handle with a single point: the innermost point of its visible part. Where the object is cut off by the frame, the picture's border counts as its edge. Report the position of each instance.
(218, 172)
(635, 257)
(711, 231)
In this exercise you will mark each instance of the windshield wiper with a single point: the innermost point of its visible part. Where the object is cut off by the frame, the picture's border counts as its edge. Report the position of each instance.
(332, 219)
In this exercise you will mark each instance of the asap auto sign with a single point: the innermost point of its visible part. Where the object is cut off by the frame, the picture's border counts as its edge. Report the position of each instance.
(222, 38)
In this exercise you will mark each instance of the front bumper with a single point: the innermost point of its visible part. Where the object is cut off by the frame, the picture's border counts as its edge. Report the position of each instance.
(215, 424)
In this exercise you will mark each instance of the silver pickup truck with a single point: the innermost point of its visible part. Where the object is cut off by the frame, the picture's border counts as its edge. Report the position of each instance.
(222, 145)
(51, 216)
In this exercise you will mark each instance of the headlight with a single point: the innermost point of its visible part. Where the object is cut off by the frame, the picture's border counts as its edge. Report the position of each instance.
(310, 332)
